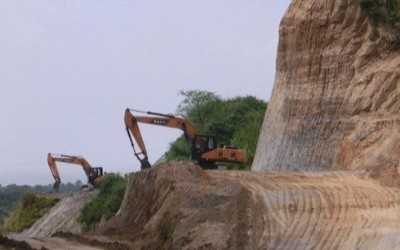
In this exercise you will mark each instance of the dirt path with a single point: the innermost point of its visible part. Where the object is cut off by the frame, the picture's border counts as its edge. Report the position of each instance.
(57, 243)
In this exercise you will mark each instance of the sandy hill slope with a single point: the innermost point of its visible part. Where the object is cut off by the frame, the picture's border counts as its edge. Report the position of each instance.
(336, 98)
(180, 206)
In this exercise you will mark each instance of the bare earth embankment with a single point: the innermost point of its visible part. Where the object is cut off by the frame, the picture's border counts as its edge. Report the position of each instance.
(181, 206)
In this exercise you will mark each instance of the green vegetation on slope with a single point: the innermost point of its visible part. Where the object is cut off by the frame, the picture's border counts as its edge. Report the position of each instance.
(10, 194)
(235, 121)
(30, 208)
(382, 11)
(105, 204)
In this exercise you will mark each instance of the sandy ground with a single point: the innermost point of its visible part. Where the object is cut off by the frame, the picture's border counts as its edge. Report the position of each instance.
(57, 243)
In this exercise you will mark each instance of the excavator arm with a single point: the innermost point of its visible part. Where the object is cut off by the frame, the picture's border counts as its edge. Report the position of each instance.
(165, 120)
(91, 173)
(54, 171)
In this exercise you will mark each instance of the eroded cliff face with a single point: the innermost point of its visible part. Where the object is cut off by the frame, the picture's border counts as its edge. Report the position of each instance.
(335, 102)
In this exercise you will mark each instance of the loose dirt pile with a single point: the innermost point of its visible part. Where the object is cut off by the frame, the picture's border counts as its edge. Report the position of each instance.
(180, 206)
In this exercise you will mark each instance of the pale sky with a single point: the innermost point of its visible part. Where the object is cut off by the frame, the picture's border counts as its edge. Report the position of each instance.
(68, 70)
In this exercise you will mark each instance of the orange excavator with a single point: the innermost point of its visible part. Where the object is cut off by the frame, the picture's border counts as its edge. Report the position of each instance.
(204, 148)
(91, 173)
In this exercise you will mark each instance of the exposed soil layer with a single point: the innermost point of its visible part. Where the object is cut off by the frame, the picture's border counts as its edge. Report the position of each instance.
(336, 98)
(180, 206)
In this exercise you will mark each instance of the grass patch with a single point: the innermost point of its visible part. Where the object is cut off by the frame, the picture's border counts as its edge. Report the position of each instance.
(29, 209)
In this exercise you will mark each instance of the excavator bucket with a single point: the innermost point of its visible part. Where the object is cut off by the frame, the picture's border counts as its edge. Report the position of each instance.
(144, 164)
(56, 186)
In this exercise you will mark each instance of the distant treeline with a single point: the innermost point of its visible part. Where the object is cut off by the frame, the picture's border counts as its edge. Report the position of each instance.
(10, 194)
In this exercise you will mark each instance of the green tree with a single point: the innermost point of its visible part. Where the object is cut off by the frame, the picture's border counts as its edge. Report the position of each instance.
(196, 105)
(236, 122)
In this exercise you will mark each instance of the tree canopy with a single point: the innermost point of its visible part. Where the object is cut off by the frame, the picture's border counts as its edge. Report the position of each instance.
(235, 121)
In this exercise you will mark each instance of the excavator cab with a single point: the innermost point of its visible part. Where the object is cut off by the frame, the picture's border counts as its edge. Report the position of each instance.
(94, 173)
(202, 144)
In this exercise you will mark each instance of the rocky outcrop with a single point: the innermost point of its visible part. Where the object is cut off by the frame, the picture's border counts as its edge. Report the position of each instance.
(336, 98)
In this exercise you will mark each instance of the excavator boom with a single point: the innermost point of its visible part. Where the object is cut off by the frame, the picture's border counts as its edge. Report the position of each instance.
(54, 171)
(171, 121)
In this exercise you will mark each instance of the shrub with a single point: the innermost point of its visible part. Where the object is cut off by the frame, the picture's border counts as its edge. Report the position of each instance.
(105, 204)
(394, 12)
(381, 11)
(373, 8)
(31, 207)
(28, 198)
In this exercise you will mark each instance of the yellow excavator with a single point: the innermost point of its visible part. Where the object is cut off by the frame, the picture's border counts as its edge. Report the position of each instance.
(204, 148)
(91, 172)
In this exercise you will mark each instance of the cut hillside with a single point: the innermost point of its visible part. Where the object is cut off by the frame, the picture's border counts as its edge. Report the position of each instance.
(336, 99)
(181, 206)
